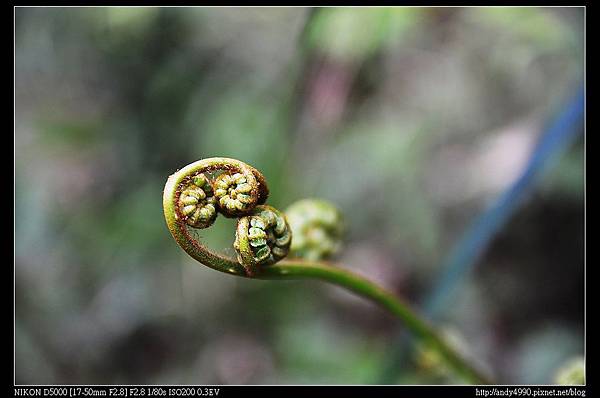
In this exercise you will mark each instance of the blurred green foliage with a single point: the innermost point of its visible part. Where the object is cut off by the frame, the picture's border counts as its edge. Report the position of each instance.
(346, 34)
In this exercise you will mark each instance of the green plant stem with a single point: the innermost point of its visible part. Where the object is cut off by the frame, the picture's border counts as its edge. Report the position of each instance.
(300, 269)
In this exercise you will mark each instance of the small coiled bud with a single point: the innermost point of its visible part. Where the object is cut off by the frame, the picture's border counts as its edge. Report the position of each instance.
(234, 194)
(262, 238)
(197, 202)
(318, 228)
(571, 373)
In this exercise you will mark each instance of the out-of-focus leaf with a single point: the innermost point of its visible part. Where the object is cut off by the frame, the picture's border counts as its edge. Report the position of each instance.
(538, 27)
(354, 34)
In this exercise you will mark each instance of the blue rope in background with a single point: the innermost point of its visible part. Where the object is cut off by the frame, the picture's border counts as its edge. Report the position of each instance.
(555, 139)
(562, 130)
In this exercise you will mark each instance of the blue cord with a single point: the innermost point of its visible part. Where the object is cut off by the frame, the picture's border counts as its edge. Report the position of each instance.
(560, 133)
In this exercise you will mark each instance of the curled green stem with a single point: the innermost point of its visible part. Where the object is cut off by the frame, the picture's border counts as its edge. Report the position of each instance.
(177, 220)
(255, 193)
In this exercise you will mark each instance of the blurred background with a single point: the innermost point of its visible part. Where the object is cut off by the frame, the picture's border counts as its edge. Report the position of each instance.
(411, 120)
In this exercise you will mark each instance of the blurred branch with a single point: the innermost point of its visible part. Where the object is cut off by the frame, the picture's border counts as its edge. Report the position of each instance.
(298, 269)
(463, 258)
(468, 250)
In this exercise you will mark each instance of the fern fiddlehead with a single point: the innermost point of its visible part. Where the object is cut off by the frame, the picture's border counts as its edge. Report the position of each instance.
(197, 203)
(195, 195)
(318, 228)
(262, 238)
